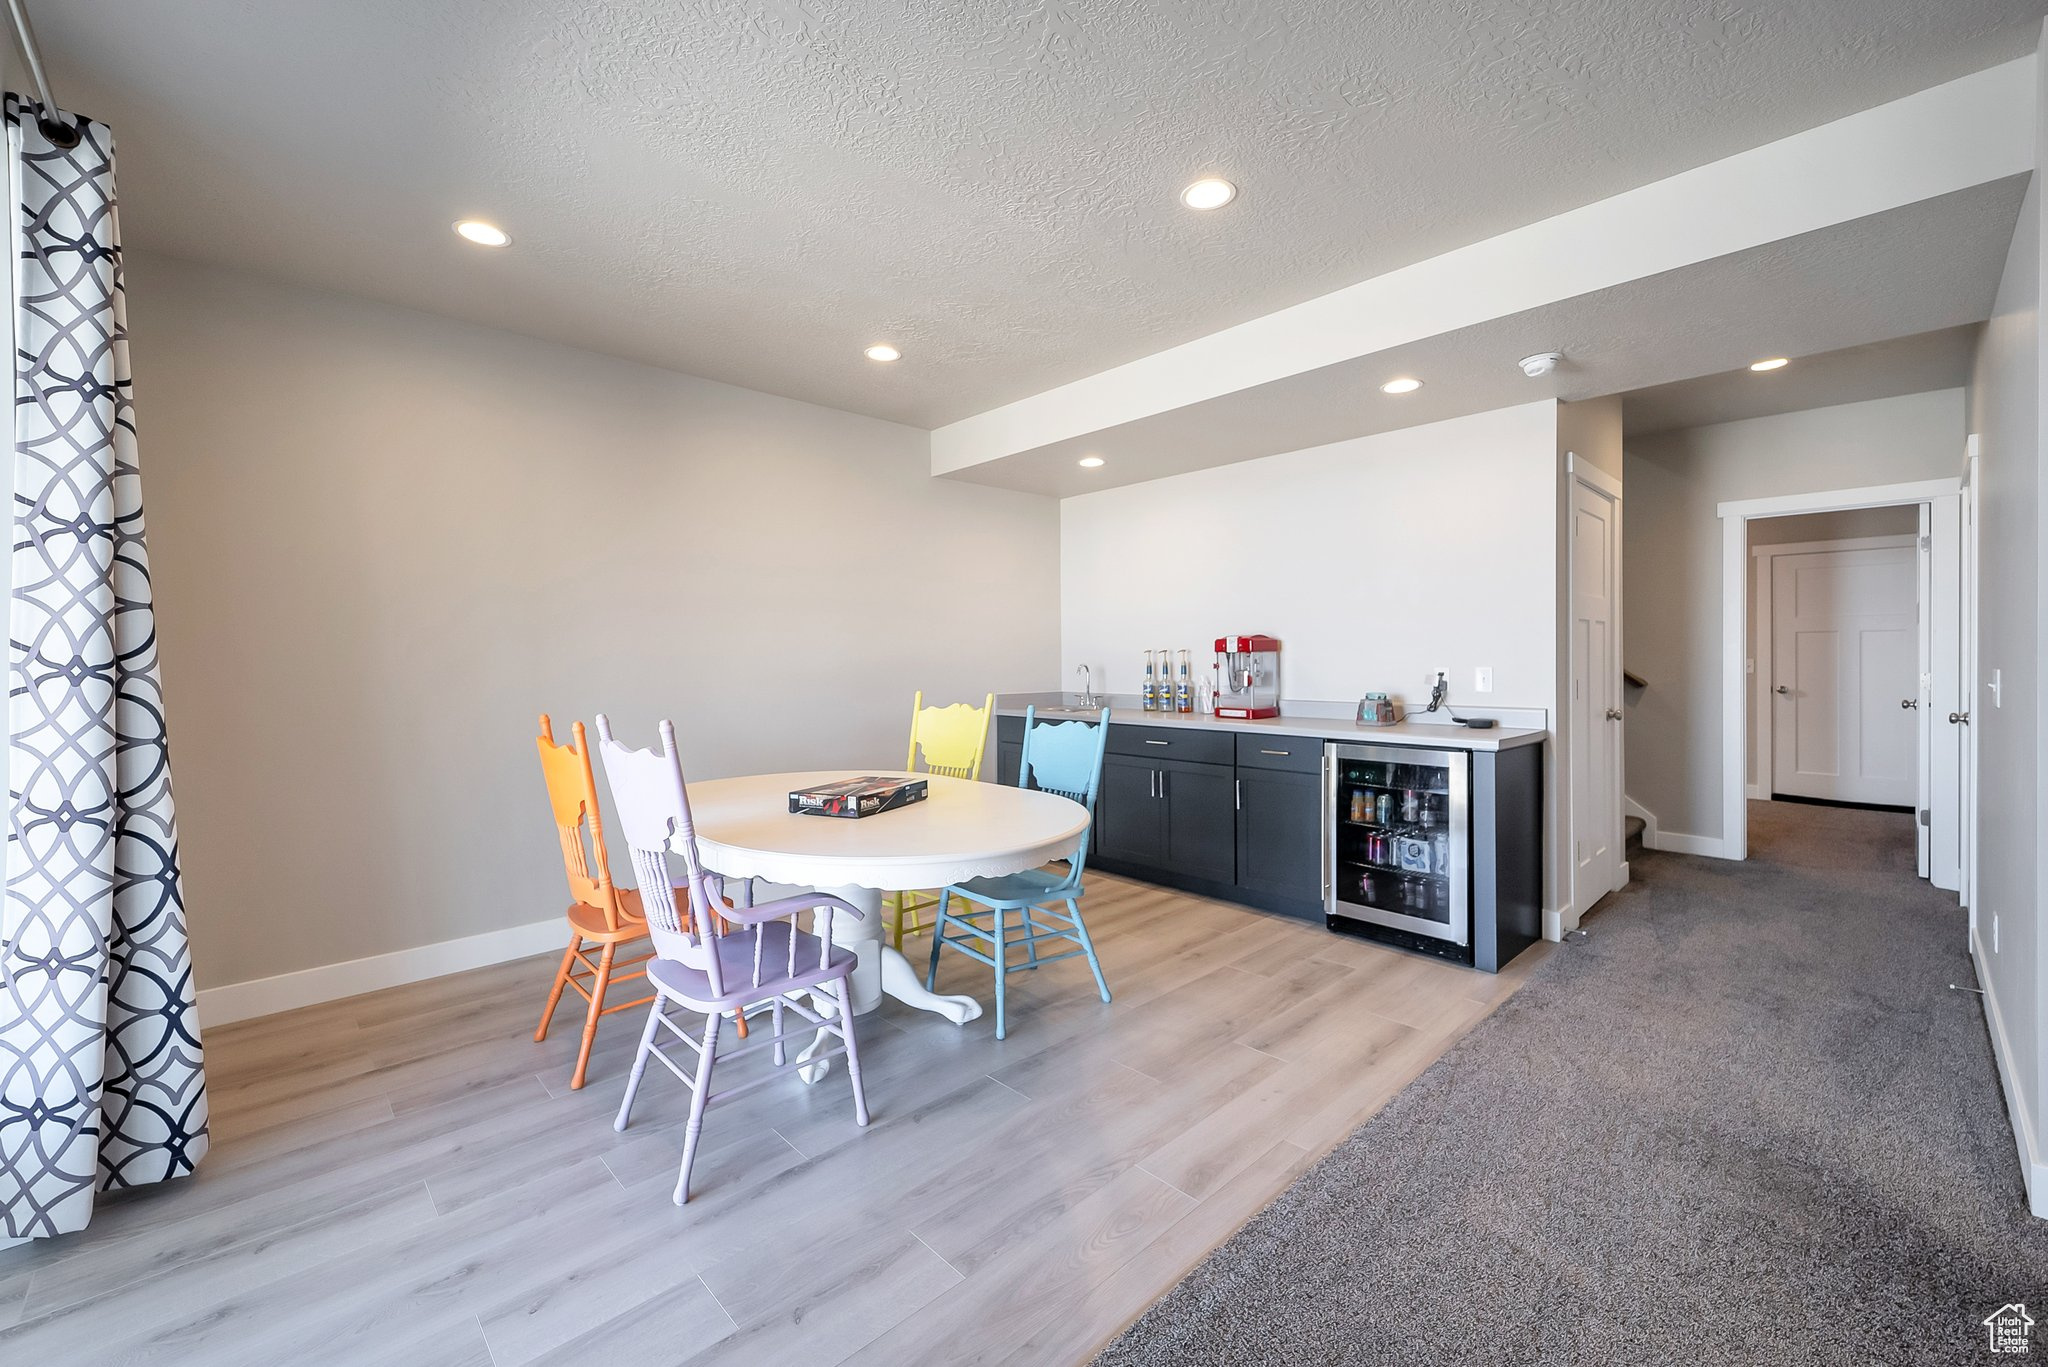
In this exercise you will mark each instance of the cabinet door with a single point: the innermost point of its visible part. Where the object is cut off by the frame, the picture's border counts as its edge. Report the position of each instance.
(1130, 819)
(1201, 820)
(1009, 763)
(1279, 834)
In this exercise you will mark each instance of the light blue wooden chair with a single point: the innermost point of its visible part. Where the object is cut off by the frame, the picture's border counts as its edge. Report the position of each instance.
(1059, 757)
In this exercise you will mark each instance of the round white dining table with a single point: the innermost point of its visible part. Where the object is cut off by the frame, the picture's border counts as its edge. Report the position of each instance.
(963, 829)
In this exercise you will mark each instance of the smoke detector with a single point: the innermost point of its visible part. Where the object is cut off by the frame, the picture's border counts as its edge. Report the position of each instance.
(1541, 364)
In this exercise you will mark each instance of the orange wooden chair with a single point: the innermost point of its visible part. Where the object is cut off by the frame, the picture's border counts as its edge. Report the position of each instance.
(600, 912)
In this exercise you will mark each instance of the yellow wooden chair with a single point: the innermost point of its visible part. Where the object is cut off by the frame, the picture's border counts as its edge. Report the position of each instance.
(952, 740)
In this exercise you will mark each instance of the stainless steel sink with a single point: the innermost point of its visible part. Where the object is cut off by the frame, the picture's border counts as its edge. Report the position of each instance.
(1066, 710)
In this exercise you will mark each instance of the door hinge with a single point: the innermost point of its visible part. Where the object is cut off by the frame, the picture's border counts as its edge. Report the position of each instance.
(1926, 817)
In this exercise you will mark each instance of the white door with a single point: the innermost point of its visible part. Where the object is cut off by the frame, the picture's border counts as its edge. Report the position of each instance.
(1596, 691)
(1844, 658)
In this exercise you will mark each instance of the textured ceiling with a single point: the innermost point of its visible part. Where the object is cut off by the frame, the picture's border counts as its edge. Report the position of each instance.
(1879, 370)
(755, 191)
(1928, 266)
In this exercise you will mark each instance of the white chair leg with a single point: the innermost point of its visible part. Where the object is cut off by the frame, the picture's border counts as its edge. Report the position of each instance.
(777, 1008)
(697, 1101)
(860, 1096)
(639, 1062)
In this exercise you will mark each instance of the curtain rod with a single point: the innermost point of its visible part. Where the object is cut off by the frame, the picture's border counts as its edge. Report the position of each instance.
(54, 128)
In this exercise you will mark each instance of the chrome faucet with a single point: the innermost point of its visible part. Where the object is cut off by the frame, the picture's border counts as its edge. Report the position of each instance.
(1087, 686)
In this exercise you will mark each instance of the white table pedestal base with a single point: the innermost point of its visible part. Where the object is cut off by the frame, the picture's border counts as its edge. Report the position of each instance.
(881, 969)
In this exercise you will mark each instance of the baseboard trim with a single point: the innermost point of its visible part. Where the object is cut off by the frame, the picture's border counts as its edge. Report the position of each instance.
(330, 982)
(2032, 1168)
(1758, 793)
(1678, 842)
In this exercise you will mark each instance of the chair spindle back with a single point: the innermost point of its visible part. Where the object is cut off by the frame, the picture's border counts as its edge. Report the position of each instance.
(653, 803)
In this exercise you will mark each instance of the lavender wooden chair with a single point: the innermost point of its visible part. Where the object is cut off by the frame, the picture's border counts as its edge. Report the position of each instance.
(702, 968)
(1020, 909)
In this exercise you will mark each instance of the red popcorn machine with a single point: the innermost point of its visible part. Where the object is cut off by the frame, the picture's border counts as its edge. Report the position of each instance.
(1247, 676)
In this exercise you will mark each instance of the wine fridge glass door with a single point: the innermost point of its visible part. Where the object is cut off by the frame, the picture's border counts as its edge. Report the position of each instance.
(1397, 832)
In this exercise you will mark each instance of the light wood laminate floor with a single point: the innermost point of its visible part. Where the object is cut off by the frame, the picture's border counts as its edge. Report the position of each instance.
(405, 1177)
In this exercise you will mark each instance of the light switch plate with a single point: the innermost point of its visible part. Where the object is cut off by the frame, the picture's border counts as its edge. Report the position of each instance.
(1482, 679)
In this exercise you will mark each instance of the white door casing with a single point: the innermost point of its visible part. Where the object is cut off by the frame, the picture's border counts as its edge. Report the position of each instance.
(1844, 658)
(1967, 681)
(1923, 580)
(1595, 702)
(1943, 743)
(1735, 516)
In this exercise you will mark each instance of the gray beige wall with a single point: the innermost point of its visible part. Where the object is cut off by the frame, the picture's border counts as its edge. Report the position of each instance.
(2006, 413)
(1671, 564)
(384, 541)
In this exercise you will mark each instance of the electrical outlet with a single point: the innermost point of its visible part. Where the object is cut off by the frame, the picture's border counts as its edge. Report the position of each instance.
(1482, 679)
(1440, 672)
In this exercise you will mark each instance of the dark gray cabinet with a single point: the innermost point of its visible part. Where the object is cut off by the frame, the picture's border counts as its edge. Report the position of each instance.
(1279, 823)
(1201, 820)
(1213, 812)
(1279, 837)
(1163, 815)
(1239, 816)
(1130, 820)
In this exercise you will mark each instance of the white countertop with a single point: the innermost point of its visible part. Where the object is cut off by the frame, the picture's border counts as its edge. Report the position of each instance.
(1432, 735)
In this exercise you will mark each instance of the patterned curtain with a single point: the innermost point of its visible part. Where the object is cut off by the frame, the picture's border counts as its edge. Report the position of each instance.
(101, 1086)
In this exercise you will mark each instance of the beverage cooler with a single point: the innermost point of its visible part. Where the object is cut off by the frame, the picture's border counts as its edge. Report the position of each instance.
(1438, 851)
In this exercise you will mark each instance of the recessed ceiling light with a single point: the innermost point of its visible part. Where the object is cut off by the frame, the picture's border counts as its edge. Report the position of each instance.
(882, 351)
(1091, 462)
(1404, 385)
(1210, 192)
(484, 234)
(1775, 363)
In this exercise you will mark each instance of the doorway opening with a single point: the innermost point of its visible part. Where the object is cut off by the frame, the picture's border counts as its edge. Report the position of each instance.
(1842, 646)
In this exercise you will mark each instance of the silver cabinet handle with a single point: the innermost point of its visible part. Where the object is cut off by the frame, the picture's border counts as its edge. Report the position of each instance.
(1162, 783)
(1959, 719)
(1909, 703)
(1151, 783)
(1782, 689)
(1240, 794)
(1282, 753)
(1158, 742)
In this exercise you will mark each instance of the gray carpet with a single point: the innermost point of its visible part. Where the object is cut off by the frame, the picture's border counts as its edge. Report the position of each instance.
(1746, 1122)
